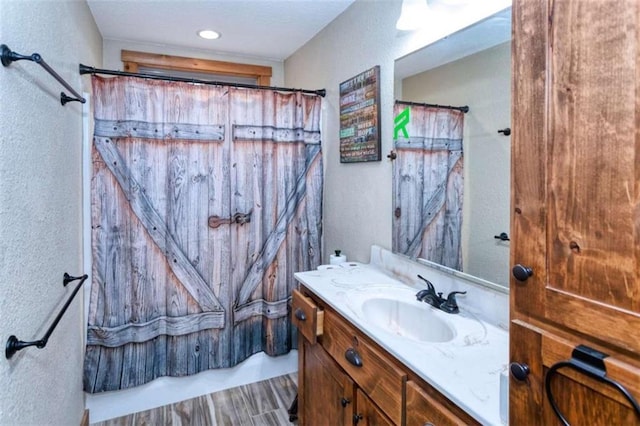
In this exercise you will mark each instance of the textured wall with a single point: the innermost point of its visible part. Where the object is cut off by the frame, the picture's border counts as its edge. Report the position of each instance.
(482, 81)
(357, 200)
(40, 208)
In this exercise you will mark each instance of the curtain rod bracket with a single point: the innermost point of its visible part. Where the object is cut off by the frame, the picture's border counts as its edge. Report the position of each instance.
(8, 56)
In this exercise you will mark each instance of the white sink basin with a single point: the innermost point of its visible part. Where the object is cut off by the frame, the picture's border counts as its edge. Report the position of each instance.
(405, 319)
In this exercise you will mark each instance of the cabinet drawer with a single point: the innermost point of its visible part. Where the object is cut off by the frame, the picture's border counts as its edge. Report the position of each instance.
(306, 316)
(373, 371)
(425, 410)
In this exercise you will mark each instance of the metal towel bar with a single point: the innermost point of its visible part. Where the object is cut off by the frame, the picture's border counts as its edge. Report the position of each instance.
(14, 345)
(8, 56)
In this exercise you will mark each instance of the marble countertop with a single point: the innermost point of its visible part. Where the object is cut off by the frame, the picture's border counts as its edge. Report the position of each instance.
(465, 369)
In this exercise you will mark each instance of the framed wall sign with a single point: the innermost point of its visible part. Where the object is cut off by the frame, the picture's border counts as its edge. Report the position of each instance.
(360, 117)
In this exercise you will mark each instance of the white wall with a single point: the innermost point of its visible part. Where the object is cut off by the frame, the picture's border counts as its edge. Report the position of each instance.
(112, 49)
(40, 208)
(482, 81)
(357, 200)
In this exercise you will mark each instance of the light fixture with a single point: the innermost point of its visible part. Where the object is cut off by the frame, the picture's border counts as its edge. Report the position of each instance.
(209, 34)
(413, 15)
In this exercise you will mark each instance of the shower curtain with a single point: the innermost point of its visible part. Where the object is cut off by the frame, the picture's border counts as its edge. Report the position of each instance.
(428, 185)
(204, 202)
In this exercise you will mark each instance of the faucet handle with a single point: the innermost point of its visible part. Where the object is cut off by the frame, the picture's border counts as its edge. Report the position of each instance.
(452, 295)
(451, 305)
(429, 285)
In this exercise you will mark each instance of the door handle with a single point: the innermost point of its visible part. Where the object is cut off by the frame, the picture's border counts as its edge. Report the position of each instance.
(521, 273)
(519, 371)
(238, 218)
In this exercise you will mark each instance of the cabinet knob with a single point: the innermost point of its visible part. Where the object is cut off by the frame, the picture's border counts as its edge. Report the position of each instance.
(344, 402)
(519, 371)
(300, 314)
(357, 418)
(521, 273)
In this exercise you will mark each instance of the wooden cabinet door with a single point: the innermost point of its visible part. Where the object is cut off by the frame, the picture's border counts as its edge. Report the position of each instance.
(367, 413)
(325, 394)
(422, 409)
(575, 166)
(581, 399)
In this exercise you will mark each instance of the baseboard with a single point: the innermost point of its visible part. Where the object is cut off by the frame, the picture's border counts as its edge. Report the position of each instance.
(85, 418)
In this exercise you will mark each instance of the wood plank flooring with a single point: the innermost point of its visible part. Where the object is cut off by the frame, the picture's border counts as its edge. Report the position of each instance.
(264, 403)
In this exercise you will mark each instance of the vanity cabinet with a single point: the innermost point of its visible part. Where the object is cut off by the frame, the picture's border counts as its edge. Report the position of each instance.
(575, 243)
(346, 377)
(328, 393)
(367, 414)
(423, 409)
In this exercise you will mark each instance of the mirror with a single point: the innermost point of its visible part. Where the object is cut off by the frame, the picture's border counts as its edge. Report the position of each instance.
(472, 67)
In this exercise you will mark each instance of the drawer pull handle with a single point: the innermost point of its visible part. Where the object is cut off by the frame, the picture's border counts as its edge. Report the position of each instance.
(353, 357)
(300, 314)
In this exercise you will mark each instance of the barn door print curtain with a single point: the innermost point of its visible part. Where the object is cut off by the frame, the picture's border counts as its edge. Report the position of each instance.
(428, 185)
(205, 201)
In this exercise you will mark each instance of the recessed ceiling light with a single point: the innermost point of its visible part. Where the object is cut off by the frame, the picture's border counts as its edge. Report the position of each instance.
(209, 34)
(414, 14)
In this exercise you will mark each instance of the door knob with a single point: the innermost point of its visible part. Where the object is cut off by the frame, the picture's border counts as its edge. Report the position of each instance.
(521, 273)
(519, 370)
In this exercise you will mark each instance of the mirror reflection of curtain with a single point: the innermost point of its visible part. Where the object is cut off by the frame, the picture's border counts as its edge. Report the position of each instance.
(428, 185)
(204, 202)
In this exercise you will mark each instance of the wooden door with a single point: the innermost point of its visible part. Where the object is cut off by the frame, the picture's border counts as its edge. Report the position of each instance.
(575, 172)
(325, 392)
(576, 209)
(579, 398)
(367, 413)
(423, 409)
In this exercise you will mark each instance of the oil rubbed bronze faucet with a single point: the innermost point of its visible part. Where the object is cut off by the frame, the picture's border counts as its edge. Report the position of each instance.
(429, 295)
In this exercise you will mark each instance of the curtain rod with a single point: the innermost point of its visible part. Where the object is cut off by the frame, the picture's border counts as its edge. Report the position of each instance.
(464, 108)
(84, 69)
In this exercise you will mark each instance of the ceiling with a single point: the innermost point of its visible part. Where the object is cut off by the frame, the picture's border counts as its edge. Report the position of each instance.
(266, 29)
(482, 35)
